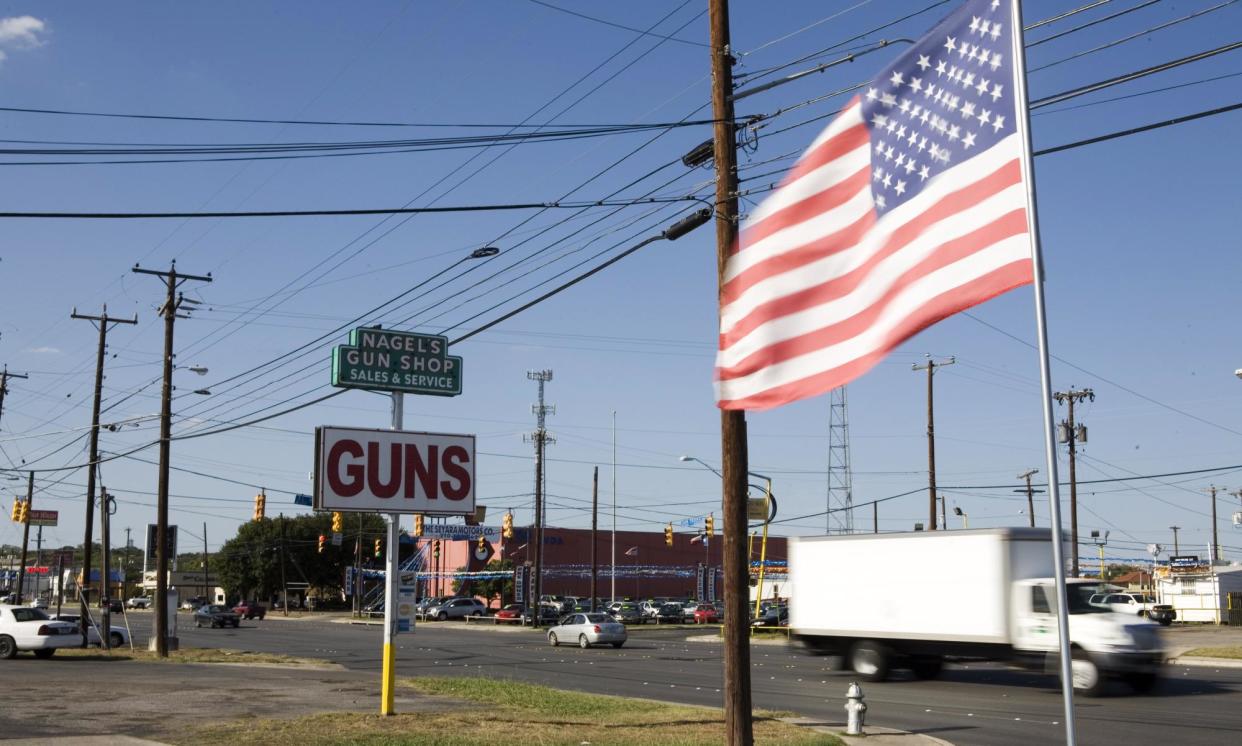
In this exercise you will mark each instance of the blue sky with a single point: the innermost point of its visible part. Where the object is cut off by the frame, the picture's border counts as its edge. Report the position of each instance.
(1139, 237)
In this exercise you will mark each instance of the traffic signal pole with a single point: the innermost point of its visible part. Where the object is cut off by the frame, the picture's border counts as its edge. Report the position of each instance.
(389, 682)
(21, 569)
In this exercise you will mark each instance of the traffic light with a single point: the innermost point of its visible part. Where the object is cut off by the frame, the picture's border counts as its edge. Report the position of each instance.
(378, 553)
(711, 525)
(337, 523)
(25, 514)
(322, 541)
(16, 515)
(260, 504)
(482, 543)
(418, 524)
(668, 535)
(507, 526)
(435, 549)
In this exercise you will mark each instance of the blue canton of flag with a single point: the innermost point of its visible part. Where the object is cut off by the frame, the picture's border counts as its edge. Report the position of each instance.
(947, 98)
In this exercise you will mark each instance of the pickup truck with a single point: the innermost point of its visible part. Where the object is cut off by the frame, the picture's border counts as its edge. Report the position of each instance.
(250, 610)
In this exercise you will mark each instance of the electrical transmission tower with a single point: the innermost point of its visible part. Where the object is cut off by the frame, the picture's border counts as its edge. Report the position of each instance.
(840, 476)
(541, 438)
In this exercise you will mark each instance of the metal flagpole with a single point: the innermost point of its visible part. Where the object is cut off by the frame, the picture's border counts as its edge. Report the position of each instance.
(612, 569)
(1023, 121)
(389, 682)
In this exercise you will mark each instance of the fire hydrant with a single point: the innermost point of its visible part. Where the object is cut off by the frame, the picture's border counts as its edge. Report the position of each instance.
(855, 710)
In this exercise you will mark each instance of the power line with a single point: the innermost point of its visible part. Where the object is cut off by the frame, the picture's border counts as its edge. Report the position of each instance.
(616, 25)
(1089, 24)
(1143, 128)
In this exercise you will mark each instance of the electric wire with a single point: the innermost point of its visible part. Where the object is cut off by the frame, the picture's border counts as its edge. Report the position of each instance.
(1089, 24)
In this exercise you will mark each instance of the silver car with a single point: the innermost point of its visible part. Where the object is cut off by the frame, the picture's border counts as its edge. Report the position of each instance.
(588, 630)
(456, 608)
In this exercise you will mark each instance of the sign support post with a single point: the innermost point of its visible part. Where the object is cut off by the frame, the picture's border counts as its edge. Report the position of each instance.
(390, 584)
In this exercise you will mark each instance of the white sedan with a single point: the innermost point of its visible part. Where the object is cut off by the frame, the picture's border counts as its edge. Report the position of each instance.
(588, 630)
(24, 628)
(118, 636)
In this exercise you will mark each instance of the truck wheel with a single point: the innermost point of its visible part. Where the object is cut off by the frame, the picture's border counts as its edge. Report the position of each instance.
(870, 660)
(116, 640)
(1088, 679)
(1142, 682)
(1165, 622)
(443, 616)
(926, 666)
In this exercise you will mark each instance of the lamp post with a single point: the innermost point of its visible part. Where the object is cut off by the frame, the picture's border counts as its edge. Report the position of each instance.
(1100, 543)
(961, 513)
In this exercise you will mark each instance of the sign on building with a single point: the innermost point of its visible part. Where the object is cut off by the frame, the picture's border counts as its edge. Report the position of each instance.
(405, 362)
(44, 517)
(394, 471)
(459, 532)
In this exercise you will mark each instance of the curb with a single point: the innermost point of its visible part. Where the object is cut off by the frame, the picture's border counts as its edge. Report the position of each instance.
(1208, 662)
(753, 641)
(873, 734)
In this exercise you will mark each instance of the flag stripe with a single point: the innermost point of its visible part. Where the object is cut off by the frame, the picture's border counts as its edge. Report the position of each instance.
(985, 287)
(1012, 223)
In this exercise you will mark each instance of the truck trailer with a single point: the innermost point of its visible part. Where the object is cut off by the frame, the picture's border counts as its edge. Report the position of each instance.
(913, 600)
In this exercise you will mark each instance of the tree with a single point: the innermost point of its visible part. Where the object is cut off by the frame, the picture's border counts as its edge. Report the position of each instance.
(491, 587)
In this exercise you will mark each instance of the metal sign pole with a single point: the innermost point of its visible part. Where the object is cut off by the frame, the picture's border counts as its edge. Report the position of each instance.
(390, 589)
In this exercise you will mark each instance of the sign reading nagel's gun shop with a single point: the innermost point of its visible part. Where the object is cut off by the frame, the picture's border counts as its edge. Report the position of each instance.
(393, 471)
(388, 360)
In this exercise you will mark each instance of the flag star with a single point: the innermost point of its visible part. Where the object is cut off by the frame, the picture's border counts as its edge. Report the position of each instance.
(939, 97)
(996, 91)
(924, 116)
(896, 78)
(928, 91)
(953, 100)
(940, 67)
(878, 119)
(888, 99)
(900, 188)
(915, 111)
(944, 154)
(996, 60)
(950, 43)
(974, 53)
(935, 152)
(995, 4)
(910, 166)
(879, 173)
(901, 132)
(905, 106)
(888, 180)
(953, 72)
(916, 84)
(924, 172)
(974, 24)
(901, 159)
(872, 95)
(891, 126)
(969, 81)
(879, 201)
(922, 144)
(968, 141)
(954, 133)
(983, 27)
(888, 153)
(879, 148)
(968, 110)
(984, 117)
(982, 88)
(914, 137)
(996, 29)
(998, 123)
(924, 62)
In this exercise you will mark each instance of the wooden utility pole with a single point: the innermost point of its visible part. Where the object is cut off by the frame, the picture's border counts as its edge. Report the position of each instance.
(594, 529)
(733, 459)
(5, 375)
(930, 366)
(105, 570)
(1030, 495)
(1215, 543)
(169, 310)
(21, 568)
(1176, 549)
(102, 323)
(1070, 434)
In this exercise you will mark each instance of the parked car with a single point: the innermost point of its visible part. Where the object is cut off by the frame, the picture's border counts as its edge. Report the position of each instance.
(649, 609)
(458, 607)
(687, 610)
(775, 616)
(510, 613)
(117, 636)
(139, 602)
(215, 615)
(549, 613)
(38, 603)
(706, 614)
(588, 630)
(429, 601)
(627, 613)
(1163, 614)
(669, 614)
(115, 606)
(194, 603)
(1124, 603)
(250, 610)
(24, 628)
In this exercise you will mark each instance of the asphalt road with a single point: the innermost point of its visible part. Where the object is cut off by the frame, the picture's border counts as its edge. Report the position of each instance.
(976, 704)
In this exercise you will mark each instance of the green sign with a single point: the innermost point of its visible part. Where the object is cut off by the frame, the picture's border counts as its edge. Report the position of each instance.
(405, 362)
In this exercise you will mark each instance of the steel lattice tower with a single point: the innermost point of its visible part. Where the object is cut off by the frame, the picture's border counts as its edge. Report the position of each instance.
(840, 476)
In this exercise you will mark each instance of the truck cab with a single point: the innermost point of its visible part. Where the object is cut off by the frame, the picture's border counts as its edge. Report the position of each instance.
(1104, 643)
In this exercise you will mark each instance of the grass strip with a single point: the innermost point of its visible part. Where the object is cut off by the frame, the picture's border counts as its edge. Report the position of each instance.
(476, 711)
(187, 655)
(1231, 651)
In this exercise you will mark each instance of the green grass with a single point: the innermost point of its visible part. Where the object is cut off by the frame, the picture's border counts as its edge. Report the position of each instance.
(1232, 651)
(478, 711)
(187, 655)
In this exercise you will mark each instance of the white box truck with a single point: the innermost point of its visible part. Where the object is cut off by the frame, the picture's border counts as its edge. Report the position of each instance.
(911, 600)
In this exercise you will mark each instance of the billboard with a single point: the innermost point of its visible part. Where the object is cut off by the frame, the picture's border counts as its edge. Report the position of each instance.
(394, 471)
(170, 532)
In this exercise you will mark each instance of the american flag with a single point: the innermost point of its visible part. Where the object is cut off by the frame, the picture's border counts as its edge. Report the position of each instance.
(908, 208)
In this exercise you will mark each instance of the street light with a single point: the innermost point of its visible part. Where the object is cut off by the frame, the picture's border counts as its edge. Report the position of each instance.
(965, 518)
(1099, 545)
(199, 369)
